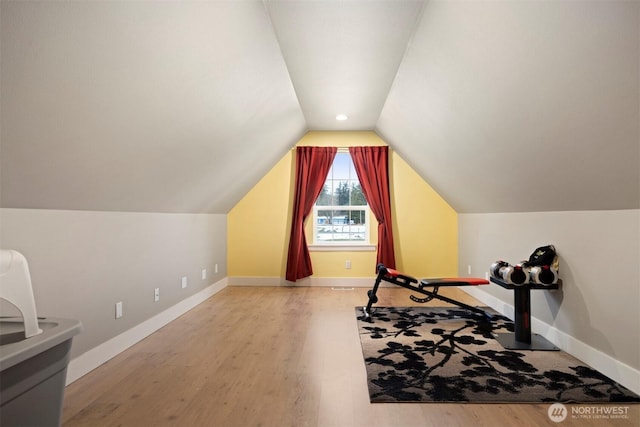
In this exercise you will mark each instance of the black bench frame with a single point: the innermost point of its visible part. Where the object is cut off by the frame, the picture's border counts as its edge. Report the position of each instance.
(411, 283)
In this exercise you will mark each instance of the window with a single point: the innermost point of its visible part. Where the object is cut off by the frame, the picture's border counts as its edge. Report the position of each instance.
(341, 213)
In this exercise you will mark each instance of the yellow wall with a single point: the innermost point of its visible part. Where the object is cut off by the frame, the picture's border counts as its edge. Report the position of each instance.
(425, 226)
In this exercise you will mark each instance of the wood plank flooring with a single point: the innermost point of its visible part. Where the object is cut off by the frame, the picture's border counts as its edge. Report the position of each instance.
(263, 356)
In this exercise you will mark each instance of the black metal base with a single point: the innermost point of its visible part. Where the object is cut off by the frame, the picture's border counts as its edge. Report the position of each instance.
(538, 342)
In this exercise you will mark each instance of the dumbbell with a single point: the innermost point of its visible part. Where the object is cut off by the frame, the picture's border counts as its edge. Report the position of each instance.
(516, 274)
(543, 275)
(495, 268)
(512, 274)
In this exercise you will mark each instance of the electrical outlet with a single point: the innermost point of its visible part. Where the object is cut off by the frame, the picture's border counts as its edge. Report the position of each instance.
(184, 282)
(469, 269)
(216, 269)
(118, 309)
(347, 264)
(156, 295)
(204, 273)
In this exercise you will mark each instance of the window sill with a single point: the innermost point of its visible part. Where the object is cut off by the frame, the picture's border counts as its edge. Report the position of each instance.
(342, 248)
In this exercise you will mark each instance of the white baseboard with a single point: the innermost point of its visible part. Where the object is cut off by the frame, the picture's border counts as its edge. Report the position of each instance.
(614, 369)
(95, 357)
(257, 281)
(353, 282)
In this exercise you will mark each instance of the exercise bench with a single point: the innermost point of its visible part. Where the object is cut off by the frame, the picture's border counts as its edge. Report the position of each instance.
(427, 287)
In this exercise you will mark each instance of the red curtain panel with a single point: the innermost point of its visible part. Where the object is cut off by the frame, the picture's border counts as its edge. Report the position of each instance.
(312, 167)
(372, 167)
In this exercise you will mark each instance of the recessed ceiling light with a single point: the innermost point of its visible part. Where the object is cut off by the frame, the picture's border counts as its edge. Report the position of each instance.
(341, 117)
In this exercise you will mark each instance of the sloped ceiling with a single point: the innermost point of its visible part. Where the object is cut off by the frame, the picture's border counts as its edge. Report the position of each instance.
(522, 106)
(342, 56)
(141, 106)
(184, 106)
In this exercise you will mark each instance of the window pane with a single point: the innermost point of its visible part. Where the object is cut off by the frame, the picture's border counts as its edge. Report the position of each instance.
(342, 164)
(357, 197)
(357, 217)
(341, 193)
(324, 217)
(325, 198)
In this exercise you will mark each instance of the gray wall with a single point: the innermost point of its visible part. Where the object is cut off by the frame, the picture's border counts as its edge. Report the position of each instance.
(83, 262)
(598, 251)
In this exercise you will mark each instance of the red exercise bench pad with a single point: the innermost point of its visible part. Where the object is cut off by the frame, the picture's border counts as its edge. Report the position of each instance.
(454, 281)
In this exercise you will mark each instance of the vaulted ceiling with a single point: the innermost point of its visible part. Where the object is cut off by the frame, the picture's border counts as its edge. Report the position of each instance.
(181, 106)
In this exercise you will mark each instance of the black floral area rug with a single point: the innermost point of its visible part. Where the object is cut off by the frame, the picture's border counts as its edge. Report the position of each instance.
(437, 354)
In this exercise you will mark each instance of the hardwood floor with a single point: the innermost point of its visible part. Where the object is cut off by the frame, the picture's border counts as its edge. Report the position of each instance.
(263, 356)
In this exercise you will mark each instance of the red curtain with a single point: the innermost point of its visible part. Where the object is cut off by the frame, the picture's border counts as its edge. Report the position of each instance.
(312, 167)
(372, 167)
